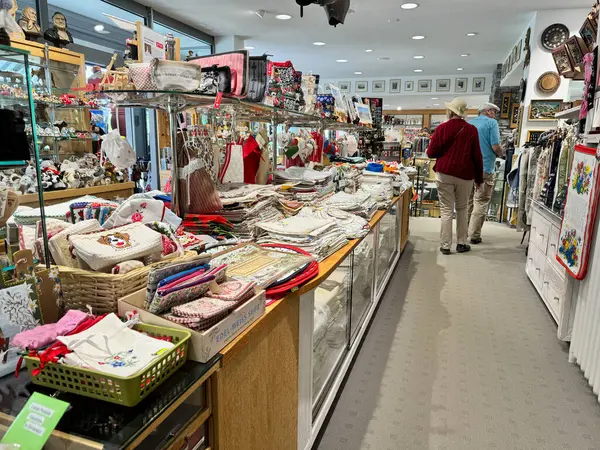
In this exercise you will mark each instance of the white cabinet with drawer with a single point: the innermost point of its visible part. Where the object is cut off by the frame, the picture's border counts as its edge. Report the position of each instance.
(545, 272)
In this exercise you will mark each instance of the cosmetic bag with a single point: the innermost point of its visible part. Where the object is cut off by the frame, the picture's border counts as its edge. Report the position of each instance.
(215, 79)
(105, 249)
(175, 75)
(257, 74)
(59, 244)
(237, 62)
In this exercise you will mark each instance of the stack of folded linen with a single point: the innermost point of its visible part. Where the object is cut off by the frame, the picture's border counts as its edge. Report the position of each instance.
(360, 204)
(353, 226)
(319, 237)
(244, 205)
(380, 188)
(350, 178)
(305, 185)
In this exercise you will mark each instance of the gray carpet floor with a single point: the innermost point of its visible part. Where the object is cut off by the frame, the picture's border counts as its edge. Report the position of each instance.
(462, 354)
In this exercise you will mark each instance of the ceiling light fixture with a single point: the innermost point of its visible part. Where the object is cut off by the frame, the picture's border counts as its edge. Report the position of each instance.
(409, 5)
(358, 73)
(399, 108)
(418, 37)
(471, 34)
(464, 55)
(384, 58)
(260, 13)
(341, 60)
(418, 70)
(99, 28)
(418, 57)
(436, 104)
(434, 98)
(283, 17)
(369, 50)
(319, 44)
(249, 47)
(460, 68)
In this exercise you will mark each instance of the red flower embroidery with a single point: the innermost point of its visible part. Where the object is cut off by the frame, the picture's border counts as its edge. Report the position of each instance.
(144, 205)
(137, 217)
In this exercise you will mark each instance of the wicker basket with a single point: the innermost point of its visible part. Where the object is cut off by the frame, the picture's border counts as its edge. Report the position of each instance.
(102, 291)
(123, 391)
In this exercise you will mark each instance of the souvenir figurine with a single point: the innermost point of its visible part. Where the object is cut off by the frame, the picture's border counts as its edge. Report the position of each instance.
(7, 19)
(58, 35)
(29, 25)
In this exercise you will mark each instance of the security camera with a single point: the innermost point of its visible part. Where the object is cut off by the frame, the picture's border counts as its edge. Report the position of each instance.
(336, 10)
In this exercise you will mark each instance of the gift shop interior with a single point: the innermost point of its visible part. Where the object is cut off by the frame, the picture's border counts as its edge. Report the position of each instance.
(220, 224)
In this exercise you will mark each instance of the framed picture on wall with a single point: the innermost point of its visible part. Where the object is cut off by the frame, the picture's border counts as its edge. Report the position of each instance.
(544, 110)
(379, 86)
(461, 85)
(505, 106)
(409, 85)
(424, 86)
(362, 86)
(442, 85)
(514, 115)
(395, 86)
(479, 84)
(345, 86)
(533, 136)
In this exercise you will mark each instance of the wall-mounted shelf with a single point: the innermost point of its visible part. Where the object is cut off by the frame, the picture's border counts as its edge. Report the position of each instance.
(572, 113)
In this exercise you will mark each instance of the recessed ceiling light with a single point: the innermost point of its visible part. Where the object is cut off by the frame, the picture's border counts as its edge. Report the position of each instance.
(418, 57)
(472, 34)
(357, 73)
(409, 6)
(418, 37)
(249, 47)
(434, 98)
(99, 28)
(460, 68)
(369, 50)
(399, 108)
(464, 55)
(436, 104)
(341, 60)
(418, 70)
(318, 44)
(384, 58)
(283, 16)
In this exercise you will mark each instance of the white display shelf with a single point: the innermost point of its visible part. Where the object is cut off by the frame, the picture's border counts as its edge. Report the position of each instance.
(572, 113)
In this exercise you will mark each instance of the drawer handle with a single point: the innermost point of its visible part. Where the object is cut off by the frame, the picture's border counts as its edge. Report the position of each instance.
(546, 282)
(538, 269)
(557, 299)
(530, 259)
(541, 235)
(553, 245)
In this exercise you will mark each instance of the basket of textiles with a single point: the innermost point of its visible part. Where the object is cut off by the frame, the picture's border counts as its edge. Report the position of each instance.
(109, 361)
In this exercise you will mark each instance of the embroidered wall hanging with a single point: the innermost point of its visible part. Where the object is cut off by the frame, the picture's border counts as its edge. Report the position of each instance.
(577, 228)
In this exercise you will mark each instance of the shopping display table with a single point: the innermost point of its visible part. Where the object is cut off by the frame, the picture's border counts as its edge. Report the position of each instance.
(177, 413)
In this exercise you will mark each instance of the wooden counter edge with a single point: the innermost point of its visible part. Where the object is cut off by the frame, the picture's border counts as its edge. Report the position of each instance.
(326, 268)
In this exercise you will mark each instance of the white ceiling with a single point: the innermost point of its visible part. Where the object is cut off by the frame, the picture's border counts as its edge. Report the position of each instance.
(376, 24)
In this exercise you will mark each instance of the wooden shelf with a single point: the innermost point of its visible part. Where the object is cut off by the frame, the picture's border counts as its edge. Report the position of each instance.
(111, 190)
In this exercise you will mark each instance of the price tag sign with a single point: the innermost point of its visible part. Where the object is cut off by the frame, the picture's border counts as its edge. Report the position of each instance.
(36, 421)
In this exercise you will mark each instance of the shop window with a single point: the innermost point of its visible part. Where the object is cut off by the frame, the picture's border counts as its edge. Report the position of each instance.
(190, 46)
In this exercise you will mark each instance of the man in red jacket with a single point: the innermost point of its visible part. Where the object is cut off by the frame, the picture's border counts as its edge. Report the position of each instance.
(455, 146)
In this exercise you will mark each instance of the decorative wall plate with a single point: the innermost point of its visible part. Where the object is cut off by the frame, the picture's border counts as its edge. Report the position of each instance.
(548, 83)
(554, 36)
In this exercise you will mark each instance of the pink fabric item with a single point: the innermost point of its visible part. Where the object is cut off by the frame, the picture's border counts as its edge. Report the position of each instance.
(46, 334)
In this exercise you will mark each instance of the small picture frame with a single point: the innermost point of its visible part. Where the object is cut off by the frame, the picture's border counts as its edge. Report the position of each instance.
(362, 86)
(379, 86)
(395, 86)
(514, 115)
(519, 50)
(479, 84)
(544, 110)
(533, 136)
(409, 85)
(442, 85)
(505, 106)
(588, 33)
(424, 86)
(345, 86)
(461, 85)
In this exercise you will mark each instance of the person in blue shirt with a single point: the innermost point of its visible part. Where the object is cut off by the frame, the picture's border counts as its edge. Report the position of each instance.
(489, 141)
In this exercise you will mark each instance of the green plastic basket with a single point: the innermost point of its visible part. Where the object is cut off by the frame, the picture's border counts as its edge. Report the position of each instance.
(123, 391)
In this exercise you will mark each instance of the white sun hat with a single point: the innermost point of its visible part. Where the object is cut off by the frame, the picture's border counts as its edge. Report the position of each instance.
(486, 106)
(458, 106)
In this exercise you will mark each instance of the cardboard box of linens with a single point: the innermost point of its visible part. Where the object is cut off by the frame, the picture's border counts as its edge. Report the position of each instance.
(206, 344)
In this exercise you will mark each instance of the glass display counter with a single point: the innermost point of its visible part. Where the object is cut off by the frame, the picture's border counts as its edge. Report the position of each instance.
(363, 270)
(387, 250)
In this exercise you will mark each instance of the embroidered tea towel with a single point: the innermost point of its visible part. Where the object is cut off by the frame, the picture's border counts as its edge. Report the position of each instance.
(233, 291)
(105, 249)
(110, 347)
(134, 210)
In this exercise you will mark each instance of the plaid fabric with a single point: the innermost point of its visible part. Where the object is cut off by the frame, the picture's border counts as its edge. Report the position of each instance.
(203, 308)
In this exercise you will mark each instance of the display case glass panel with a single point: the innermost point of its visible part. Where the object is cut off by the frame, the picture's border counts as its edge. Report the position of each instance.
(330, 335)
(363, 271)
(384, 253)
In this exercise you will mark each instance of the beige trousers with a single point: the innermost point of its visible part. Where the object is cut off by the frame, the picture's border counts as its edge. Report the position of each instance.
(479, 203)
(453, 193)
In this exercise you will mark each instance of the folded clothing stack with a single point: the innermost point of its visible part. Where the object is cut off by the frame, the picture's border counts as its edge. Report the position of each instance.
(360, 204)
(380, 188)
(211, 224)
(319, 237)
(353, 226)
(220, 300)
(350, 178)
(305, 185)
